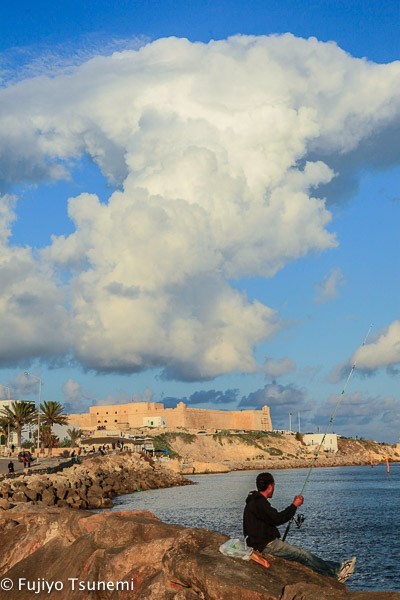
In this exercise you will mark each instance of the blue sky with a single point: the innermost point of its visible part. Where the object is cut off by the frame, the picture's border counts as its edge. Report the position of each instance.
(215, 222)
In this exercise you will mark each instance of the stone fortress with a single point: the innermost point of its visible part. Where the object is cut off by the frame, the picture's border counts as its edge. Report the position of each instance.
(123, 417)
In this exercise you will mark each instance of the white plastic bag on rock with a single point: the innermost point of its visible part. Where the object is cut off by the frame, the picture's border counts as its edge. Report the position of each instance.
(236, 548)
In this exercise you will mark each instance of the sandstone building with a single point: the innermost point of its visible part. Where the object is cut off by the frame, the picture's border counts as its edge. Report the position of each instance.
(122, 417)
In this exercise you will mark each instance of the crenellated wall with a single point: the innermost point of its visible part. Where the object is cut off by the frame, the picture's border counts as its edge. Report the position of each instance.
(126, 416)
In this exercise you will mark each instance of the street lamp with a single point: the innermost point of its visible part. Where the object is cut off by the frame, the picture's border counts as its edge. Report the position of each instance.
(290, 422)
(38, 419)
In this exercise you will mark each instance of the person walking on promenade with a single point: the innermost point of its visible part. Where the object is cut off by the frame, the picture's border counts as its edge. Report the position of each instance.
(260, 521)
(11, 467)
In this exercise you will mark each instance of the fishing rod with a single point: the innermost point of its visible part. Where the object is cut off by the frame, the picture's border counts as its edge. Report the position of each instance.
(316, 454)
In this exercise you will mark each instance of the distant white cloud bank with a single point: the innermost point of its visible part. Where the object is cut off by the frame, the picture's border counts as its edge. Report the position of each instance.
(217, 151)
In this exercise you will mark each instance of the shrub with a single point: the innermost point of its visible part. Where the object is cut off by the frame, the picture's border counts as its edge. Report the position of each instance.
(274, 451)
(161, 443)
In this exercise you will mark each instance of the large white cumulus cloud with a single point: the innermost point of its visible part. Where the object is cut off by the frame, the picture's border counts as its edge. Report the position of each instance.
(216, 149)
(384, 351)
(33, 319)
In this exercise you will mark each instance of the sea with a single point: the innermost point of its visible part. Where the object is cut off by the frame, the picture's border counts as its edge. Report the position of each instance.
(349, 511)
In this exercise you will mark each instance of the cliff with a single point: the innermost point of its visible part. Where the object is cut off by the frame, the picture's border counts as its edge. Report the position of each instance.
(263, 451)
(59, 553)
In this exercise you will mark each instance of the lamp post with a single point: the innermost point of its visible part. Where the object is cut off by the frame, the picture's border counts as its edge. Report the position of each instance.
(290, 422)
(298, 414)
(39, 401)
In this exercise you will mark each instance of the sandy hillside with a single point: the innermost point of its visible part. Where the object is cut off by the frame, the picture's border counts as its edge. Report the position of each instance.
(254, 450)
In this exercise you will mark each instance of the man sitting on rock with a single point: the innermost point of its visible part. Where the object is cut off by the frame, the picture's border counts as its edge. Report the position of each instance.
(260, 522)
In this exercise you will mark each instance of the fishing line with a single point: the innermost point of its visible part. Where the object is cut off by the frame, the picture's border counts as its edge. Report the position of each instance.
(333, 415)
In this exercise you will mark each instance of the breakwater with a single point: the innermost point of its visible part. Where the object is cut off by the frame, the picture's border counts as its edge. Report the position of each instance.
(91, 484)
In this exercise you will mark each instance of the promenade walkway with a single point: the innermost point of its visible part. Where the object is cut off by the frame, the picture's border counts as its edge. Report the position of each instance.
(44, 463)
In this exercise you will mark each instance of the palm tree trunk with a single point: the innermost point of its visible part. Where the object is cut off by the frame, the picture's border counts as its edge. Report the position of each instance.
(19, 436)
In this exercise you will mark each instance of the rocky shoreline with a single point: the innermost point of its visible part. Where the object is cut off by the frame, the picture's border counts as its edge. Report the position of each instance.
(89, 485)
(133, 555)
(48, 550)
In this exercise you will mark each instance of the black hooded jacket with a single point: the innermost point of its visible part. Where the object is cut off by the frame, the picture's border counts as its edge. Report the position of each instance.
(260, 520)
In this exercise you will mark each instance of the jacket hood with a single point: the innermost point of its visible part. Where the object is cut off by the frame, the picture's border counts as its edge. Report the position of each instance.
(253, 495)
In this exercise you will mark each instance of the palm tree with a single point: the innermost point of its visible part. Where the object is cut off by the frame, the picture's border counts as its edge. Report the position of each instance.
(20, 414)
(48, 438)
(52, 413)
(6, 427)
(73, 435)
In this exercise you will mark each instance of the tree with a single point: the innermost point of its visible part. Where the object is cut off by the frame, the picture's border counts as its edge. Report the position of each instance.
(6, 427)
(20, 414)
(74, 434)
(52, 413)
(48, 438)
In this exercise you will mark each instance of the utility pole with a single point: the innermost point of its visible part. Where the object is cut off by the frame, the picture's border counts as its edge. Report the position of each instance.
(39, 380)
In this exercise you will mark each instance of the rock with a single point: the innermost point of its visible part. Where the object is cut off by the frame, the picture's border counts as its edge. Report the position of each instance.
(62, 503)
(37, 486)
(48, 497)
(160, 561)
(73, 499)
(94, 502)
(201, 467)
(95, 490)
(19, 497)
(31, 494)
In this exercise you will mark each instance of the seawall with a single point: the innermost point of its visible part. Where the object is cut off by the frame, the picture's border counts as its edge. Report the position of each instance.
(91, 484)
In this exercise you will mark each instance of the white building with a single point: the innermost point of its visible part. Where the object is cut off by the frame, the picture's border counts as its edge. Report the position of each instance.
(154, 422)
(315, 439)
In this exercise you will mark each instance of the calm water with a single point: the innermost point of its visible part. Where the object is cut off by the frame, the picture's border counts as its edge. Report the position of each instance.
(350, 511)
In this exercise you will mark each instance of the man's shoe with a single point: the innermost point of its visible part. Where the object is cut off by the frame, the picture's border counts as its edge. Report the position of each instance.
(259, 558)
(346, 569)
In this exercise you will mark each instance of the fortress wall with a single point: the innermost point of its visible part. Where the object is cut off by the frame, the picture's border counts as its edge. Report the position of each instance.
(132, 415)
(249, 419)
(256, 419)
(201, 418)
(198, 418)
(131, 408)
(175, 417)
(76, 420)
